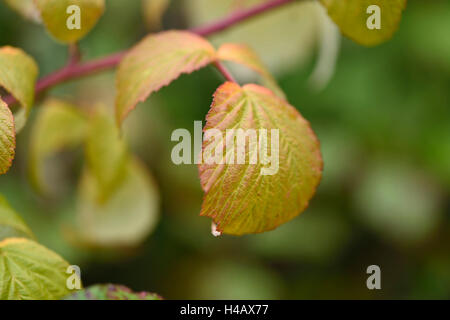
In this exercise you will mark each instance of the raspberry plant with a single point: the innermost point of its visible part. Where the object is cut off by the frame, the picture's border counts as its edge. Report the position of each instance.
(118, 198)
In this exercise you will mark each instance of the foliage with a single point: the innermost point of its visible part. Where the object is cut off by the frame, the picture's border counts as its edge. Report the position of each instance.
(18, 73)
(59, 126)
(117, 199)
(54, 16)
(117, 202)
(155, 62)
(244, 198)
(351, 17)
(28, 270)
(11, 224)
(7, 137)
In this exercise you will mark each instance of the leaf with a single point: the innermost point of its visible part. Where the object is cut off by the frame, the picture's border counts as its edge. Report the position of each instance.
(155, 62)
(252, 198)
(351, 16)
(26, 8)
(18, 73)
(59, 125)
(243, 54)
(126, 217)
(29, 271)
(57, 17)
(106, 153)
(7, 138)
(153, 12)
(11, 224)
(111, 292)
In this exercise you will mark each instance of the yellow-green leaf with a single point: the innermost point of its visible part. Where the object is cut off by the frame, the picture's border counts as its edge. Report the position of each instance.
(247, 197)
(70, 20)
(354, 16)
(29, 271)
(7, 138)
(153, 11)
(106, 152)
(26, 8)
(126, 217)
(155, 62)
(58, 126)
(243, 54)
(11, 224)
(18, 73)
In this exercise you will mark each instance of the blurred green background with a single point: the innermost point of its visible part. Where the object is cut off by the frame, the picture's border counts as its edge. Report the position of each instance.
(384, 125)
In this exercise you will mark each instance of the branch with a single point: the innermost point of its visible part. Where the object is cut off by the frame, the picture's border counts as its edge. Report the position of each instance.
(224, 71)
(76, 70)
(239, 16)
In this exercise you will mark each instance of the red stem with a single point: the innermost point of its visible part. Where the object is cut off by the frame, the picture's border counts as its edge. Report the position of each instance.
(75, 70)
(224, 71)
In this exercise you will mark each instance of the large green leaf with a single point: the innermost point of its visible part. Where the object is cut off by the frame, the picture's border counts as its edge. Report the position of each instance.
(55, 15)
(11, 224)
(243, 54)
(352, 15)
(7, 138)
(111, 292)
(252, 197)
(126, 217)
(59, 126)
(106, 152)
(26, 8)
(155, 62)
(29, 271)
(18, 73)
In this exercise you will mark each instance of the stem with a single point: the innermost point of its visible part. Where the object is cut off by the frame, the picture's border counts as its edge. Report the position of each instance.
(71, 71)
(74, 69)
(224, 71)
(74, 54)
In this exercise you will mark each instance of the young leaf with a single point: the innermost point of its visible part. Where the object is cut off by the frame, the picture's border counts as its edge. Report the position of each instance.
(353, 16)
(153, 12)
(155, 62)
(126, 217)
(111, 292)
(26, 8)
(252, 198)
(7, 138)
(243, 54)
(29, 271)
(106, 153)
(11, 224)
(58, 126)
(18, 73)
(70, 20)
